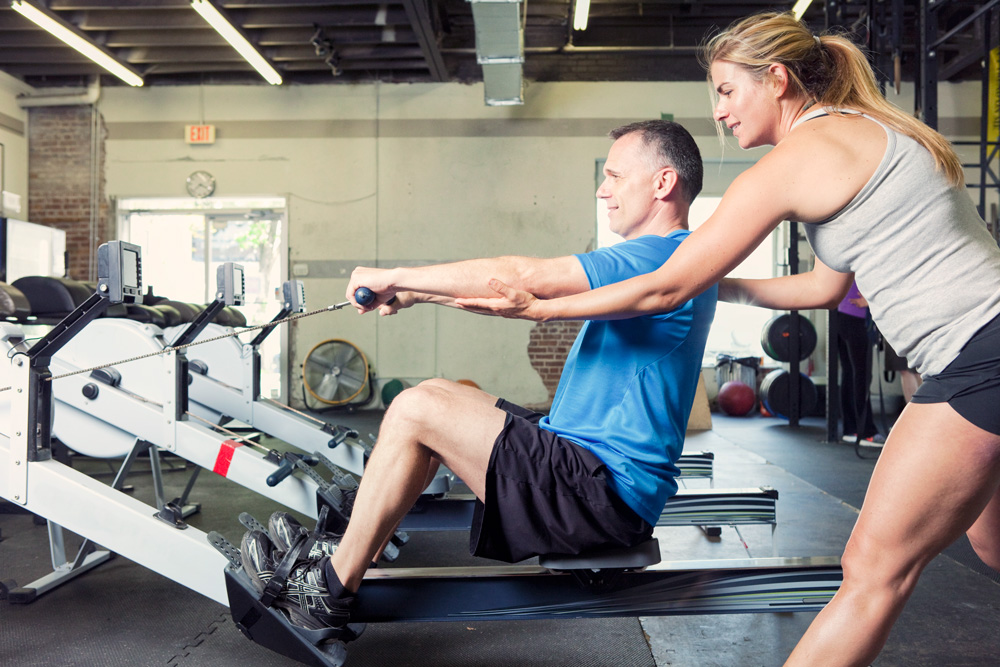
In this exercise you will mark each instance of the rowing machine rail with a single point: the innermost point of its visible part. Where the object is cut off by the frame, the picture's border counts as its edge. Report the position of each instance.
(522, 592)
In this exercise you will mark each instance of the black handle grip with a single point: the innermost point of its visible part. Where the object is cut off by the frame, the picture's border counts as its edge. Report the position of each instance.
(287, 466)
(283, 471)
(366, 297)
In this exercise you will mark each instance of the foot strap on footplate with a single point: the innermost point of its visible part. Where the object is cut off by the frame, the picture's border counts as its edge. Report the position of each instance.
(261, 623)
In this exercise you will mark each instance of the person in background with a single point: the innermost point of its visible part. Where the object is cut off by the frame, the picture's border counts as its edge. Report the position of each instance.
(854, 350)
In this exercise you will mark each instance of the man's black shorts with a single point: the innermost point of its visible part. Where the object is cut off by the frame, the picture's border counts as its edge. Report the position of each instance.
(547, 495)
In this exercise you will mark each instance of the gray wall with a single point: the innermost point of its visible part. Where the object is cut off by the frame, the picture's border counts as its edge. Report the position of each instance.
(400, 174)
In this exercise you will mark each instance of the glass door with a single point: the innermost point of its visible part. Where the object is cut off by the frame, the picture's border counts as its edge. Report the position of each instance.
(184, 242)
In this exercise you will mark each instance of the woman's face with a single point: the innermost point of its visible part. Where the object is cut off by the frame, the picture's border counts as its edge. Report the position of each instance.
(748, 107)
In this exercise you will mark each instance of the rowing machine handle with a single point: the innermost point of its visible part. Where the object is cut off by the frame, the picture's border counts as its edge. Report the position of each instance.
(365, 297)
(287, 466)
(283, 471)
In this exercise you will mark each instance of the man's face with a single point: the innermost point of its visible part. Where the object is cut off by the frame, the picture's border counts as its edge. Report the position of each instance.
(628, 187)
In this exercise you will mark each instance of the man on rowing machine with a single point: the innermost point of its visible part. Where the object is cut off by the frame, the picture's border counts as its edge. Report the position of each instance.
(593, 474)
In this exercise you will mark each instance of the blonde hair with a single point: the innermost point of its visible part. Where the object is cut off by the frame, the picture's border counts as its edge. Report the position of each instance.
(829, 69)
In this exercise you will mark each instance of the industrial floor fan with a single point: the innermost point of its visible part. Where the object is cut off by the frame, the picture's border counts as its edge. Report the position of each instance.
(336, 374)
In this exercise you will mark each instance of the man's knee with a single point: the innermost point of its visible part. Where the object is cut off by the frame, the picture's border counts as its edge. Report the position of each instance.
(413, 407)
(438, 383)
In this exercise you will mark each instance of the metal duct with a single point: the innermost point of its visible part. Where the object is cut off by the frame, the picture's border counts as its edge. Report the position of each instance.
(500, 49)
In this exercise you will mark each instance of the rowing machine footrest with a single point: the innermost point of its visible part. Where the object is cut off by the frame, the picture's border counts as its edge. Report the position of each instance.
(641, 555)
(271, 629)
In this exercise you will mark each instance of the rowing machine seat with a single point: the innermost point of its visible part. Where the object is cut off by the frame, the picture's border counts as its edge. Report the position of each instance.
(641, 555)
(171, 316)
(145, 314)
(13, 303)
(187, 311)
(52, 297)
(230, 317)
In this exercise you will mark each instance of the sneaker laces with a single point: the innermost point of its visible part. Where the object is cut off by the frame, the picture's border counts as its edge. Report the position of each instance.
(284, 531)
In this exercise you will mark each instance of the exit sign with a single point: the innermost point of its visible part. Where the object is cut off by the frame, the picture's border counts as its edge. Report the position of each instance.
(199, 134)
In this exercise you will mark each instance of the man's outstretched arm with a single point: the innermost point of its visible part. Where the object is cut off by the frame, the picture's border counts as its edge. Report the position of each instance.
(560, 276)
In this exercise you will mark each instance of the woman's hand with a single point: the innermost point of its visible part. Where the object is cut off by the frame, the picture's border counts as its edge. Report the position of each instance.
(393, 306)
(509, 302)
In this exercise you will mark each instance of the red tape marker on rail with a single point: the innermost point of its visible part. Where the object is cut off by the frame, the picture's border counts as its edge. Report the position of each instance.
(225, 456)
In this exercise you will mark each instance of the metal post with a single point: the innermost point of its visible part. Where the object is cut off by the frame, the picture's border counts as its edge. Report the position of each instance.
(927, 94)
(833, 406)
(984, 130)
(794, 348)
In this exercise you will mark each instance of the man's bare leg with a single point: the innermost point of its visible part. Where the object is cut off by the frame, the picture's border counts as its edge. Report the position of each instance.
(431, 474)
(437, 419)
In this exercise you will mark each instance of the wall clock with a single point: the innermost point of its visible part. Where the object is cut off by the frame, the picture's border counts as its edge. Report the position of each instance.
(200, 184)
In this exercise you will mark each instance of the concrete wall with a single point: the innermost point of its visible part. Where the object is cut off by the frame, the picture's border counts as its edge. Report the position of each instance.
(408, 174)
(399, 174)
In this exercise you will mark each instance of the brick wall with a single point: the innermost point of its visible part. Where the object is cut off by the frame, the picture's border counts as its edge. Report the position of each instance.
(60, 159)
(548, 345)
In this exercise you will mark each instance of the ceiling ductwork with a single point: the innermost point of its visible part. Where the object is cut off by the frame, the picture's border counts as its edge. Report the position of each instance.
(500, 49)
(325, 42)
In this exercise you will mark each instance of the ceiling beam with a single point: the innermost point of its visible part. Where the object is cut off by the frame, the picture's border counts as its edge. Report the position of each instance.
(416, 11)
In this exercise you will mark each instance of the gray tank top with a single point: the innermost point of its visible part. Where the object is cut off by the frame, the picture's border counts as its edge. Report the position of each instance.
(920, 253)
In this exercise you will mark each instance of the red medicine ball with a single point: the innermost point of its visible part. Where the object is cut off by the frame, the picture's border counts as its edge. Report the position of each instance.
(736, 399)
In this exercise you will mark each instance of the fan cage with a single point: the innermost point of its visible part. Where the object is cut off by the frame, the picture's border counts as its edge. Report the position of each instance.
(365, 383)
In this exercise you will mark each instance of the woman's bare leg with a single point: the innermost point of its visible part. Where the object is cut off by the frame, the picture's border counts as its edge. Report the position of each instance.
(985, 533)
(936, 474)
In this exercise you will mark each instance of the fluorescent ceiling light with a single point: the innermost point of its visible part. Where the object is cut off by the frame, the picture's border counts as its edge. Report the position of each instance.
(580, 14)
(236, 40)
(57, 29)
(800, 8)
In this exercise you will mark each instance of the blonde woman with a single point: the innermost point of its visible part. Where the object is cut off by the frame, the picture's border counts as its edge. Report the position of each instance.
(883, 200)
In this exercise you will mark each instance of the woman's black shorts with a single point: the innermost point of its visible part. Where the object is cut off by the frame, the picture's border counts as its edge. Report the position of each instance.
(547, 495)
(971, 382)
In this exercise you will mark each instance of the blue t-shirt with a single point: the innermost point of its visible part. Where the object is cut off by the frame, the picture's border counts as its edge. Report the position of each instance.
(628, 385)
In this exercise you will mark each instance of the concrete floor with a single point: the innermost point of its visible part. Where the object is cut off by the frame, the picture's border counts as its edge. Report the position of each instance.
(952, 619)
(121, 614)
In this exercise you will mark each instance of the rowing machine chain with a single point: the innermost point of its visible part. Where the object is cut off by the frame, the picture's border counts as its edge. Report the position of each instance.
(169, 349)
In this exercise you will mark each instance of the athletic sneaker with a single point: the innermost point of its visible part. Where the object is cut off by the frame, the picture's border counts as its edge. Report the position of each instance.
(305, 596)
(284, 530)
